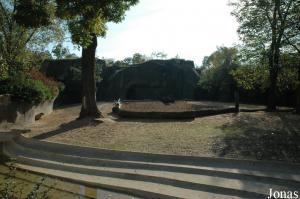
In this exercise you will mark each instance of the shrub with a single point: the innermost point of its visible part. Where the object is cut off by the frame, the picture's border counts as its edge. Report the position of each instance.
(26, 89)
(3, 70)
(54, 86)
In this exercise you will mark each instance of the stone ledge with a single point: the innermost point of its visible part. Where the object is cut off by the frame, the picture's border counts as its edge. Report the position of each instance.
(21, 113)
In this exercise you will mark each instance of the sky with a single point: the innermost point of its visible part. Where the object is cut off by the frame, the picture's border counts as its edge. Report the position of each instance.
(190, 29)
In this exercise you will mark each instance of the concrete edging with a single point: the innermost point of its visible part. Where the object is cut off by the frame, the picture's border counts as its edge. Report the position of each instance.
(90, 152)
(67, 161)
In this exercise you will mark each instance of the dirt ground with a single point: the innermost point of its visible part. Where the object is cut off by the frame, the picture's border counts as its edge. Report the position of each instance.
(177, 106)
(256, 135)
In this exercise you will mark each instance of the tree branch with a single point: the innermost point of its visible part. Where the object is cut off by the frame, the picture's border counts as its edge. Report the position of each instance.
(283, 20)
(30, 36)
(292, 44)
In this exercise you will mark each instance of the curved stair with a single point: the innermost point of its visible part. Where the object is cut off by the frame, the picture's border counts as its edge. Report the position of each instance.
(153, 175)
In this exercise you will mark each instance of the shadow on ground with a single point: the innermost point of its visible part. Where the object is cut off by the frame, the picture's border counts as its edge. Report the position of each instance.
(245, 137)
(75, 124)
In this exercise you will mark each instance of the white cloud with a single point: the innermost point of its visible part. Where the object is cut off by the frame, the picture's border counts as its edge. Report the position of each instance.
(190, 28)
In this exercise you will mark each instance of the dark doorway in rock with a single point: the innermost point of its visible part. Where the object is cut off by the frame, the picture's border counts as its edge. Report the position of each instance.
(131, 93)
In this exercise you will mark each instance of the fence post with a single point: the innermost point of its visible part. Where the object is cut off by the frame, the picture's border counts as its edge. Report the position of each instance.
(237, 100)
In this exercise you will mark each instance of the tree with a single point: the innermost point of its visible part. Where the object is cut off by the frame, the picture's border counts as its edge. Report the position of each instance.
(86, 21)
(138, 58)
(60, 52)
(263, 24)
(20, 45)
(71, 56)
(292, 40)
(36, 58)
(216, 77)
(128, 60)
(159, 55)
(252, 79)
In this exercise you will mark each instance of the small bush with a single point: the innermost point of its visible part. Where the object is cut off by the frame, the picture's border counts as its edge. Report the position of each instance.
(49, 82)
(3, 70)
(26, 89)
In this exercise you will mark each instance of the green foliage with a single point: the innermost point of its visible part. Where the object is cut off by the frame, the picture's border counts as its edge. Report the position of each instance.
(159, 55)
(222, 72)
(262, 23)
(22, 46)
(25, 89)
(20, 49)
(287, 79)
(109, 62)
(266, 27)
(138, 58)
(54, 86)
(60, 52)
(33, 59)
(71, 56)
(215, 75)
(87, 19)
(127, 61)
(251, 78)
(254, 29)
(3, 70)
(33, 13)
(120, 63)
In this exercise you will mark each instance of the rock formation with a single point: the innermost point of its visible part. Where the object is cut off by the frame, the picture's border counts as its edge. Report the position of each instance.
(165, 80)
(152, 80)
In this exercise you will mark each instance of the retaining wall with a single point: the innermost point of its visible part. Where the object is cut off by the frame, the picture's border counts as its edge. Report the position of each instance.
(20, 112)
(176, 110)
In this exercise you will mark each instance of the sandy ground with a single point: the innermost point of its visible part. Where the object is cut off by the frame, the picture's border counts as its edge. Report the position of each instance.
(258, 135)
(177, 106)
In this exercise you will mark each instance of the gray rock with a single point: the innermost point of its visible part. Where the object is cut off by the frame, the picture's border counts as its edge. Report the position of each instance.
(153, 80)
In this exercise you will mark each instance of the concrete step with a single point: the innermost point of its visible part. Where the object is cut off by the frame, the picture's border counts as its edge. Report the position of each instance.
(61, 189)
(144, 189)
(154, 175)
(227, 185)
(248, 188)
(96, 153)
(235, 173)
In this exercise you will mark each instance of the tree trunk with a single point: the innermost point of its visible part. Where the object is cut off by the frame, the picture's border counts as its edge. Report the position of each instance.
(274, 68)
(273, 60)
(271, 104)
(298, 92)
(273, 71)
(272, 93)
(237, 100)
(88, 64)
